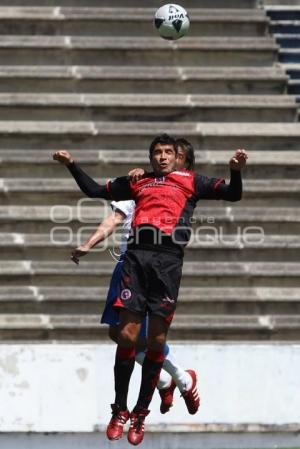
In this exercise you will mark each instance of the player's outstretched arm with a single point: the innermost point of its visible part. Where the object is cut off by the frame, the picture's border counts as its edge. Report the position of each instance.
(104, 230)
(88, 186)
(216, 189)
(233, 191)
(118, 190)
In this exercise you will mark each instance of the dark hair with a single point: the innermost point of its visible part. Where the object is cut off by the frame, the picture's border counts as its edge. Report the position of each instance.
(163, 139)
(189, 152)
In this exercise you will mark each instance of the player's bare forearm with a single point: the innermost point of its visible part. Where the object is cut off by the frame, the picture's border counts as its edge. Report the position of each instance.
(104, 230)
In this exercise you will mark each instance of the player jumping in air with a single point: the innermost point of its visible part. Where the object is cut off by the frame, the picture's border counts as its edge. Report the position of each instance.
(152, 267)
(172, 375)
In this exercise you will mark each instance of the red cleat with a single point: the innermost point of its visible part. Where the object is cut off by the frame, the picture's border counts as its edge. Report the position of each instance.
(115, 427)
(191, 397)
(137, 429)
(166, 395)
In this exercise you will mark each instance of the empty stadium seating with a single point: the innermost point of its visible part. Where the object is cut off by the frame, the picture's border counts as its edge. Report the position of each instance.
(82, 77)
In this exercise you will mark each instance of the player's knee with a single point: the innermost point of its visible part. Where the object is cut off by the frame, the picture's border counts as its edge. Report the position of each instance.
(127, 336)
(156, 343)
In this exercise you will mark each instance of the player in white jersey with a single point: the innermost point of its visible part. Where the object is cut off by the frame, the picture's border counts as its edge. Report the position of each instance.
(172, 375)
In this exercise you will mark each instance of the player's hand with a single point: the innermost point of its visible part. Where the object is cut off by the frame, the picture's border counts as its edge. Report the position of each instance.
(238, 161)
(136, 174)
(79, 252)
(63, 156)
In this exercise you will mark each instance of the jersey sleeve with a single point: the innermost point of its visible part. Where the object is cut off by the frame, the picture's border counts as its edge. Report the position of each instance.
(118, 189)
(207, 188)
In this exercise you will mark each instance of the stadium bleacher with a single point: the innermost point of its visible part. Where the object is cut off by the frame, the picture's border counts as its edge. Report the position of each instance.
(102, 85)
(91, 76)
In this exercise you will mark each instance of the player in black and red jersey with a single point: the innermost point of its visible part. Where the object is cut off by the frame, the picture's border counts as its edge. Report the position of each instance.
(172, 375)
(151, 274)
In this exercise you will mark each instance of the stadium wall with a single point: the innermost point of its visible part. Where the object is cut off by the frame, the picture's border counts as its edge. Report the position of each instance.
(59, 396)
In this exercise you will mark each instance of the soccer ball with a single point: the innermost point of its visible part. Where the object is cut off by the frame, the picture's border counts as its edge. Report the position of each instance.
(171, 21)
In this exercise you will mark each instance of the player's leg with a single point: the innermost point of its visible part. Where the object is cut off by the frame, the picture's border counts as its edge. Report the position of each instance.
(130, 303)
(163, 271)
(165, 379)
(128, 332)
(129, 328)
(154, 358)
(166, 269)
(153, 362)
(165, 385)
(172, 375)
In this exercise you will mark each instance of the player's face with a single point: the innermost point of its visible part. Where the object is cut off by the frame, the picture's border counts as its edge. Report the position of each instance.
(163, 159)
(181, 158)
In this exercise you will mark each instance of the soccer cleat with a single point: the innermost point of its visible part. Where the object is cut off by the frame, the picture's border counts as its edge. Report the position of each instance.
(137, 429)
(166, 395)
(191, 397)
(115, 427)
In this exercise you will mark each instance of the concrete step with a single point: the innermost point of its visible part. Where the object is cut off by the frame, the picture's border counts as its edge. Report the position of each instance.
(86, 50)
(92, 21)
(140, 79)
(234, 218)
(134, 3)
(184, 327)
(230, 219)
(143, 107)
(254, 136)
(102, 163)
(261, 327)
(256, 192)
(206, 244)
(192, 300)
(206, 274)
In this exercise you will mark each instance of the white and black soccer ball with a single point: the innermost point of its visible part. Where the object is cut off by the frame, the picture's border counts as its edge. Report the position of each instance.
(171, 21)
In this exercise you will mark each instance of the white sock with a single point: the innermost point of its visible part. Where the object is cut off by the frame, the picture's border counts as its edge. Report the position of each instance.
(164, 380)
(182, 379)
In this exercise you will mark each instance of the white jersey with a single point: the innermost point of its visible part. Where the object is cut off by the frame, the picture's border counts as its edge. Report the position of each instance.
(127, 208)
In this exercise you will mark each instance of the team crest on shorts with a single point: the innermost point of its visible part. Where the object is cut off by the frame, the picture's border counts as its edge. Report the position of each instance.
(125, 294)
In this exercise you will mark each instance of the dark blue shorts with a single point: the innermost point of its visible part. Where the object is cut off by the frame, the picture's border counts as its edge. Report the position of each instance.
(110, 314)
